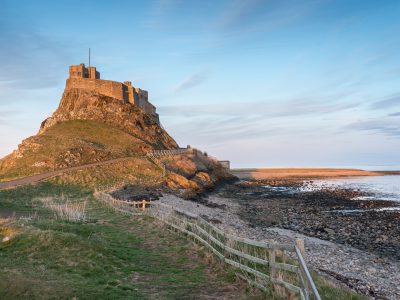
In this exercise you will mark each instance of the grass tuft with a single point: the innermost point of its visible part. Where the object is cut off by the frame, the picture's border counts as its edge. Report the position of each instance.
(64, 208)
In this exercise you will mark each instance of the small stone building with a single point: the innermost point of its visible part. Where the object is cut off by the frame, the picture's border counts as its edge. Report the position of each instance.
(89, 78)
(225, 163)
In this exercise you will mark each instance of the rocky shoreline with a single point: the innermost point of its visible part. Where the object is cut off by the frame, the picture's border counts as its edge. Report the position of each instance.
(360, 250)
(364, 272)
(329, 214)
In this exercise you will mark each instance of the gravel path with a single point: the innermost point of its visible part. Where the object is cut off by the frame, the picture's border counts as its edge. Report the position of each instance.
(364, 272)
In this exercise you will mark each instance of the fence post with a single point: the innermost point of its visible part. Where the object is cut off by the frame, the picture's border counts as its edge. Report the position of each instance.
(300, 245)
(239, 253)
(272, 264)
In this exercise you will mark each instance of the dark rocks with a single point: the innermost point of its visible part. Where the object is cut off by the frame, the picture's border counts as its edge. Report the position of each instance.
(133, 192)
(329, 214)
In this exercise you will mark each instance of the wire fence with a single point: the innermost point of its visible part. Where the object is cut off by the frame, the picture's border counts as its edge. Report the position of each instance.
(268, 266)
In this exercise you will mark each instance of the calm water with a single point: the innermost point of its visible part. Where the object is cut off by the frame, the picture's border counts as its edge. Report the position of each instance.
(378, 187)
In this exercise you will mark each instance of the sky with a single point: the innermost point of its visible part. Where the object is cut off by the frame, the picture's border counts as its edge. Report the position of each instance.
(262, 83)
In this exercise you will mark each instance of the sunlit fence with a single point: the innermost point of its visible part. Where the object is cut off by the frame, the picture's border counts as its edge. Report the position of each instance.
(170, 152)
(268, 266)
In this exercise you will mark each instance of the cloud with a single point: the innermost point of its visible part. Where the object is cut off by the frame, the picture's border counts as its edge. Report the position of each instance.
(191, 81)
(396, 114)
(160, 12)
(217, 124)
(5, 116)
(387, 102)
(388, 127)
(240, 12)
(302, 106)
(394, 71)
(263, 14)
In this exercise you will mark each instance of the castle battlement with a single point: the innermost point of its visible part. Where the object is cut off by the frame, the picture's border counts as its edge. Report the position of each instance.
(89, 79)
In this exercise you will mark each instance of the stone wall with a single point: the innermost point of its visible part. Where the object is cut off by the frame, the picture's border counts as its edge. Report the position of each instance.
(105, 87)
(89, 79)
(225, 163)
(80, 71)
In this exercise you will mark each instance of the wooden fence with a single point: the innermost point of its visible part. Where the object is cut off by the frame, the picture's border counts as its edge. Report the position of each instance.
(268, 266)
(171, 152)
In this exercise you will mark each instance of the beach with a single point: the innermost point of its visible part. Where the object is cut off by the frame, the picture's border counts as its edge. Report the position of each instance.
(353, 242)
(351, 237)
(299, 173)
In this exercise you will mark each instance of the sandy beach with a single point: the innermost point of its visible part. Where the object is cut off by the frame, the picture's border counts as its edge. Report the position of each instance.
(298, 173)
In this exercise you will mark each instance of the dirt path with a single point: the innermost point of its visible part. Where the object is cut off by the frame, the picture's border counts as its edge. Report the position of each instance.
(36, 178)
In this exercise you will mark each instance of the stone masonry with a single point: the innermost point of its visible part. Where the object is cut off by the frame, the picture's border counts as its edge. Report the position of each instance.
(89, 79)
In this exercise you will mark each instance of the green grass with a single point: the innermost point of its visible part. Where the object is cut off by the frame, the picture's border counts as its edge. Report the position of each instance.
(329, 291)
(91, 139)
(138, 170)
(111, 256)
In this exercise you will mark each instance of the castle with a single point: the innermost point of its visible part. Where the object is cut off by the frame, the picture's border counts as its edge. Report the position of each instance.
(89, 78)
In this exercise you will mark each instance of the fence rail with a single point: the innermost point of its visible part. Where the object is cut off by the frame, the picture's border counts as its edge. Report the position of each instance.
(268, 266)
(156, 156)
(171, 152)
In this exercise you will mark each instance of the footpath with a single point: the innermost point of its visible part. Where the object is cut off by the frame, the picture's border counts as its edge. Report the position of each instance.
(39, 177)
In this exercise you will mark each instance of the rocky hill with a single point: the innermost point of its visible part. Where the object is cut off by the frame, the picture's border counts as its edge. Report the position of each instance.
(89, 127)
(81, 104)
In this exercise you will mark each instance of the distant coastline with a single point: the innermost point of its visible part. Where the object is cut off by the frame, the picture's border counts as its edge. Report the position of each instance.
(304, 173)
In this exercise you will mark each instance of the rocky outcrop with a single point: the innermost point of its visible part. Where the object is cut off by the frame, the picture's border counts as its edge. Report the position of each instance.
(81, 104)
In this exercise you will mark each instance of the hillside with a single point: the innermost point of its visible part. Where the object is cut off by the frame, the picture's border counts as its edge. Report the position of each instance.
(67, 144)
(82, 104)
(89, 127)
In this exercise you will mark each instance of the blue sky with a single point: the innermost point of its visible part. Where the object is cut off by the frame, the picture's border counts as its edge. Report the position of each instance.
(262, 83)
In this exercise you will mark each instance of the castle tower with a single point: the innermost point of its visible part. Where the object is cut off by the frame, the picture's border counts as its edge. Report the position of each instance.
(93, 74)
(130, 92)
(80, 71)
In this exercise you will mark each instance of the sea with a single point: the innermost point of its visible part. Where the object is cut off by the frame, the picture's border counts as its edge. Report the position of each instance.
(385, 187)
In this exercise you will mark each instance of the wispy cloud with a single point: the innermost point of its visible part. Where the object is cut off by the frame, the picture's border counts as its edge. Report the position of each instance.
(219, 123)
(191, 81)
(263, 14)
(239, 13)
(5, 116)
(396, 114)
(160, 13)
(388, 127)
(387, 102)
(301, 106)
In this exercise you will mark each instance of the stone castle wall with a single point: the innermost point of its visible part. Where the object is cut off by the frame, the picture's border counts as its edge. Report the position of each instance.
(89, 78)
(105, 87)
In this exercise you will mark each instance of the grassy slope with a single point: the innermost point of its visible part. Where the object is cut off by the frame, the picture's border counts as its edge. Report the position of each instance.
(137, 170)
(93, 139)
(112, 256)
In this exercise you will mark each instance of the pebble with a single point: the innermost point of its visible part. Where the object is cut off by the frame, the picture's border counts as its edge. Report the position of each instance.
(362, 271)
